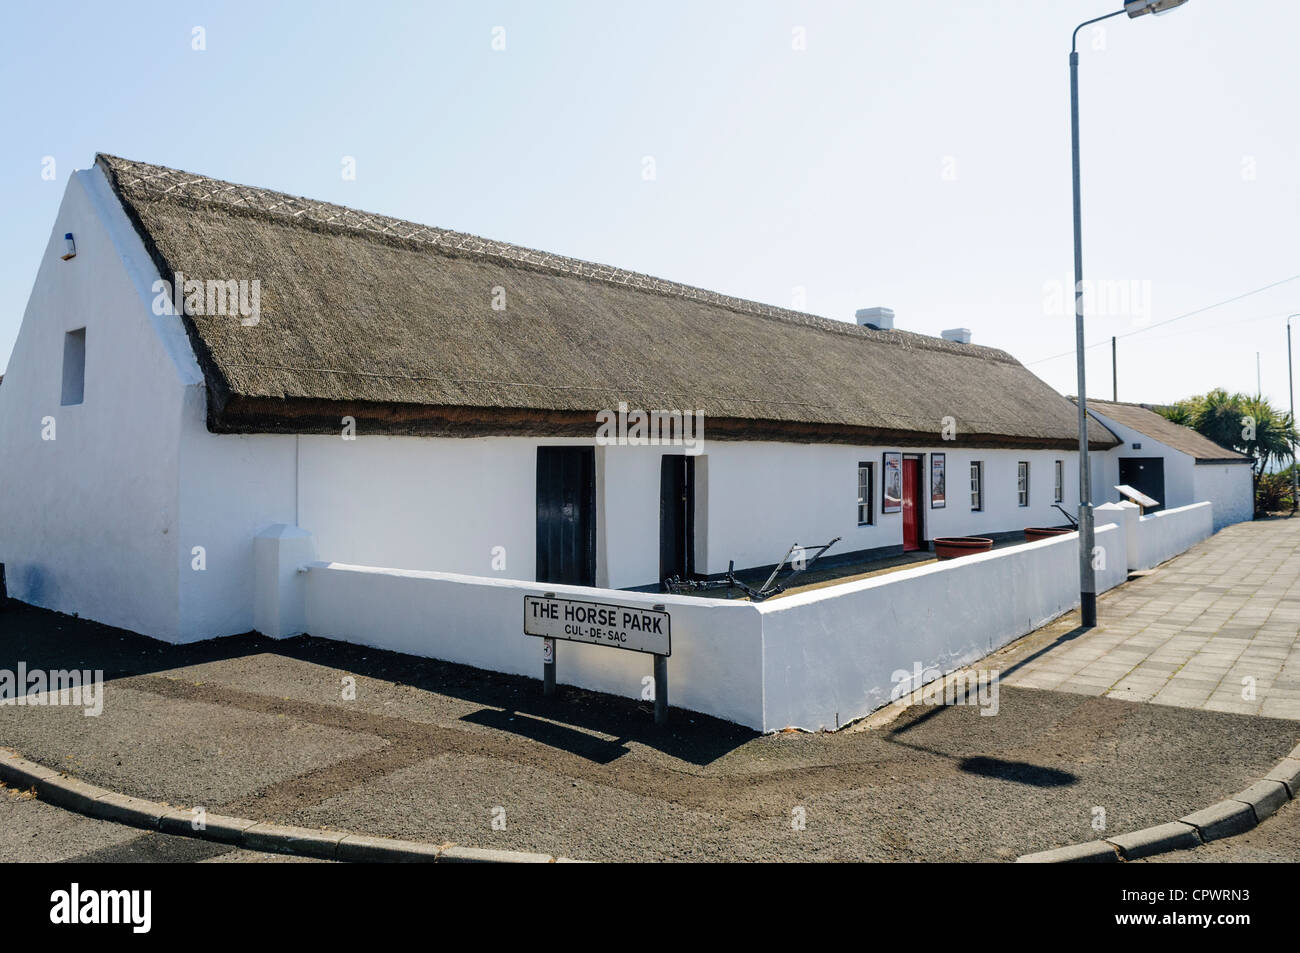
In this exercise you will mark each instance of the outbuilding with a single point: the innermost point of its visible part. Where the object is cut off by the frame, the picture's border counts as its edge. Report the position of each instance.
(201, 360)
(1170, 463)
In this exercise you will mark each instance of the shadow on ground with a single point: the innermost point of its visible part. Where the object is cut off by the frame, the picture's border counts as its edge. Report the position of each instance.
(51, 641)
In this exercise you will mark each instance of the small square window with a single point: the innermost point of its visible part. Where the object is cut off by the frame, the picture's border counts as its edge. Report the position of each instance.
(74, 367)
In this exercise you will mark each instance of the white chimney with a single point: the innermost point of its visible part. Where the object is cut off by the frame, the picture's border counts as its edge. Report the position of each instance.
(882, 319)
(960, 335)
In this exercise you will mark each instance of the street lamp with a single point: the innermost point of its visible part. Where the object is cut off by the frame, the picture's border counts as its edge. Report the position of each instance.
(1087, 578)
(1290, 386)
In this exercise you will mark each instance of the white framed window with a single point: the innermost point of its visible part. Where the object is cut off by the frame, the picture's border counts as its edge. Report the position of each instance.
(1022, 482)
(1060, 481)
(976, 485)
(74, 367)
(864, 494)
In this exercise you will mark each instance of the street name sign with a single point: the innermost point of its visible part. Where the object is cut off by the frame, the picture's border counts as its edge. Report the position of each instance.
(599, 623)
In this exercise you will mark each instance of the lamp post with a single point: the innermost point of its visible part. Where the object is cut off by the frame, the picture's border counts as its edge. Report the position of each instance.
(1087, 577)
(1290, 386)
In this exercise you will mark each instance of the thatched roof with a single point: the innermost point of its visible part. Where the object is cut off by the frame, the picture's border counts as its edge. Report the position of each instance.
(1145, 420)
(392, 323)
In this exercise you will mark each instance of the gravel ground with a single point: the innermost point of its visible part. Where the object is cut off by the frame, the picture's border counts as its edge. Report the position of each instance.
(430, 750)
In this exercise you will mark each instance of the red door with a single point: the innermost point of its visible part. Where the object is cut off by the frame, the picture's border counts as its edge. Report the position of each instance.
(911, 503)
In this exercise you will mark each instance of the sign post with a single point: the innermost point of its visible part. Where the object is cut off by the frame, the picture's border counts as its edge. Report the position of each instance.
(548, 661)
(631, 628)
(548, 667)
(661, 689)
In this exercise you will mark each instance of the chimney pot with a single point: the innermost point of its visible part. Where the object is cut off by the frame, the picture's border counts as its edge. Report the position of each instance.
(960, 335)
(882, 319)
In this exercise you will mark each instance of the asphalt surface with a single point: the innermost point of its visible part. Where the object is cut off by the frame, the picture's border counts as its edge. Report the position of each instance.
(440, 752)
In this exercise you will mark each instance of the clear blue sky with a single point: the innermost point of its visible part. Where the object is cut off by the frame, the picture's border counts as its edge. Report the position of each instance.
(913, 155)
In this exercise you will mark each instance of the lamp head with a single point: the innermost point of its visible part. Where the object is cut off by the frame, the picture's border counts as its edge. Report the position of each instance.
(1139, 8)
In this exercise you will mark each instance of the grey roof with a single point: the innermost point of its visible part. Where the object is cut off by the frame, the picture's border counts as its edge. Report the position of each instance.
(1145, 420)
(391, 322)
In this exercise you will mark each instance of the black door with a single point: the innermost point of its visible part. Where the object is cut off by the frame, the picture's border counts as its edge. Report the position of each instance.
(566, 515)
(1147, 475)
(676, 516)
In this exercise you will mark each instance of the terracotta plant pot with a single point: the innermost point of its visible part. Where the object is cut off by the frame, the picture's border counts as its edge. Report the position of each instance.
(950, 547)
(1034, 533)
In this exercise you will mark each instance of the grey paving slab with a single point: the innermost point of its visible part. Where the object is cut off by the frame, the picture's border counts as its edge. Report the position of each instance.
(1217, 628)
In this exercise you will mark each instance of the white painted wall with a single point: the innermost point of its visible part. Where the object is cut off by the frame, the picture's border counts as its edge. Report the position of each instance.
(1165, 534)
(1230, 487)
(89, 521)
(281, 554)
(764, 496)
(811, 660)
(104, 521)
(829, 654)
(716, 664)
(444, 504)
(231, 487)
(1126, 515)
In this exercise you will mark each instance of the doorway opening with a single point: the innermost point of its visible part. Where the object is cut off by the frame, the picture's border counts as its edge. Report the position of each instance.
(676, 517)
(913, 530)
(566, 515)
(1147, 475)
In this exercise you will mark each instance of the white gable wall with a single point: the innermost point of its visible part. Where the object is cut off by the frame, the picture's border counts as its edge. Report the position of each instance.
(88, 521)
(1180, 485)
(103, 521)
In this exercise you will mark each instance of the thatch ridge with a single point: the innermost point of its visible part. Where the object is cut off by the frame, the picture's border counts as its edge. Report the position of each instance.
(162, 183)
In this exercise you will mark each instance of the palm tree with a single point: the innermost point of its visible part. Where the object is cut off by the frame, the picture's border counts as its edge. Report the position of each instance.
(1274, 434)
(1246, 424)
(1183, 412)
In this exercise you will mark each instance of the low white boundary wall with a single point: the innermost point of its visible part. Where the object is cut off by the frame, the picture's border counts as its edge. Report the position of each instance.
(1167, 533)
(815, 660)
(830, 655)
(716, 664)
